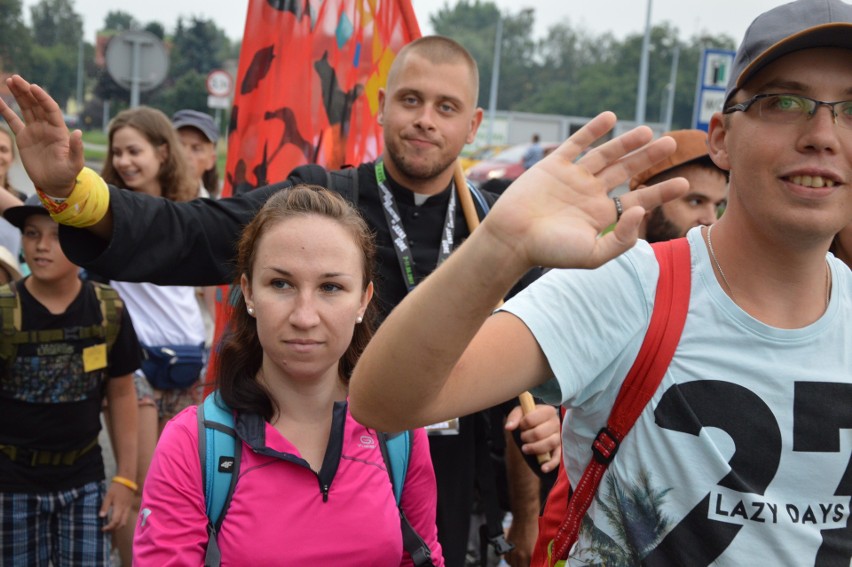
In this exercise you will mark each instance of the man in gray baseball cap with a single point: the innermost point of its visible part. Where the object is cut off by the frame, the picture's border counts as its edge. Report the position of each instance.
(198, 135)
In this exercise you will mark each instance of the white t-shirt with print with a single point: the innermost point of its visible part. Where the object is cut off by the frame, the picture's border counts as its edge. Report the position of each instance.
(742, 457)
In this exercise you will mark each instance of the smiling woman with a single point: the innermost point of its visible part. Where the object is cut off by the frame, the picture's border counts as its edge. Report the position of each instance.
(144, 155)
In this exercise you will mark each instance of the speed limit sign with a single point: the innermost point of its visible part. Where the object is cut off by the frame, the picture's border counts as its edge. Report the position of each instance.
(219, 83)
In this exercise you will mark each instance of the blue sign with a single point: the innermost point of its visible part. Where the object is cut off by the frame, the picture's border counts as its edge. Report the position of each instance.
(712, 80)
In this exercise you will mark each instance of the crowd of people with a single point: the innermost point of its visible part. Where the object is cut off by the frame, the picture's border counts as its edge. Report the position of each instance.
(738, 457)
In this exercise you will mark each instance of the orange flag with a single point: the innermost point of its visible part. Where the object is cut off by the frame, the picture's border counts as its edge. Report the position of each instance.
(307, 91)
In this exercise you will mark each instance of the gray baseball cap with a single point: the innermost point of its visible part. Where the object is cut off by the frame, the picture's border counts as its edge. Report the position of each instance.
(798, 25)
(198, 120)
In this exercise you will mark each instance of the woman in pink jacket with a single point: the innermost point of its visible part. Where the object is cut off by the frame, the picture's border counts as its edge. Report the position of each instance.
(312, 488)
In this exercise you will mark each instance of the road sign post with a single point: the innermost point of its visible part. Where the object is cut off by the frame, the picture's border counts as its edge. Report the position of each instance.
(220, 84)
(137, 60)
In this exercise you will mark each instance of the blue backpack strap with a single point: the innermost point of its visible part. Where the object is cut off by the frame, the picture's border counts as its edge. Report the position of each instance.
(480, 199)
(219, 456)
(396, 452)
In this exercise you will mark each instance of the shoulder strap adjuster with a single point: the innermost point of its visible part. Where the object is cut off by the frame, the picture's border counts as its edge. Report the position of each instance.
(605, 446)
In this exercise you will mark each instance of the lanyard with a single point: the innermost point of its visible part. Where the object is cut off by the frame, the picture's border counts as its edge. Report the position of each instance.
(399, 236)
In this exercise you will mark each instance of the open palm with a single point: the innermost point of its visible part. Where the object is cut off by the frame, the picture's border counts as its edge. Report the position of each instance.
(51, 156)
(554, 213)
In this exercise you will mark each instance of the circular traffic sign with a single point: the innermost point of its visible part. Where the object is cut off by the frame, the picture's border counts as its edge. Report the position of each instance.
(137, 56)
(219, 83)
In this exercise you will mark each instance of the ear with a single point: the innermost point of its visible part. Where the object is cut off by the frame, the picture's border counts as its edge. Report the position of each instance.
(380, 117)
(245, 287)
(365, 299)
(475, 122)
(163, 152)
(717, 141)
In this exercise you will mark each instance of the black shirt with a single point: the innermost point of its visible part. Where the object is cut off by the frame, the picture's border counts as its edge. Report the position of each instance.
(48, 401)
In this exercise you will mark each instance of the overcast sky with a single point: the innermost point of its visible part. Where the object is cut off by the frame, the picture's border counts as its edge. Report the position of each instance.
(621, 17)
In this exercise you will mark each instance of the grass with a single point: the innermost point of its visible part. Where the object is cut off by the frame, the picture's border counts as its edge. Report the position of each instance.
(94, 147)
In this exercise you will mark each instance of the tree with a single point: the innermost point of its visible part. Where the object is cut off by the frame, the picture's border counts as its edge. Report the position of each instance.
(54, 22)
(57, 32)
(570, 71)
(15, 38)
(117, 20)
(197, 46)
(187, 91)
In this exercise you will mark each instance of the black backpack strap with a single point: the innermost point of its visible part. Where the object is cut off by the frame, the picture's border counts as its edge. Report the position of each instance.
(491, 532)
(420, 553)
(343, 182)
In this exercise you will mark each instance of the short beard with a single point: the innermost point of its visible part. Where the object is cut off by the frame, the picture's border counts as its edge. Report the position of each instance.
(411, 172)
(659, 228)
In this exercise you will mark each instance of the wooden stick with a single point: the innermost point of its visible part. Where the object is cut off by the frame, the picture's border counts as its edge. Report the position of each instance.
(472, 219)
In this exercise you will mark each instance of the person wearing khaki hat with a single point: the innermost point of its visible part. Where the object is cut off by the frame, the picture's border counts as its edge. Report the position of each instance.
(708, 188)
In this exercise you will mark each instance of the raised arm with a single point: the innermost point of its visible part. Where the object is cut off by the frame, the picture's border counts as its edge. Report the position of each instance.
(435, 356)
(141, 238)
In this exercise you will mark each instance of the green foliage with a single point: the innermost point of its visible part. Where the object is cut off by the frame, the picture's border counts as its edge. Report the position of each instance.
(571, 71)
(188, 91)
(54, 22)
(198, 45)
(15, 38)
(118, 21)
(56, 69)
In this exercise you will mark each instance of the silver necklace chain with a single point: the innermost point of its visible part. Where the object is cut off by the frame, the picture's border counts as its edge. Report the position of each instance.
(716, 261)
(728, 285)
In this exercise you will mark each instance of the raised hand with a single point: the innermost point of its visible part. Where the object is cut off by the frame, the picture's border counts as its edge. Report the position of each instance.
(553, 213)
(51, 156)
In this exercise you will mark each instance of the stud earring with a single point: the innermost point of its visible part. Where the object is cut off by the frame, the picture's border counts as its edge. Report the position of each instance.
(359, 319)
(250, 311)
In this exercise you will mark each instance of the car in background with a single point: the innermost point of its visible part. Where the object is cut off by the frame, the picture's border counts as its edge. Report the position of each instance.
(469, 158)
(505, 166)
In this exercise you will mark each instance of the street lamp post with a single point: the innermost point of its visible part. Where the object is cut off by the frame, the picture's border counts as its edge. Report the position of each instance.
(495, 80)
(642, 90)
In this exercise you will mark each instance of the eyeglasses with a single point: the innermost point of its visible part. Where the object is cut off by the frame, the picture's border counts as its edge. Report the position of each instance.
(789, 108)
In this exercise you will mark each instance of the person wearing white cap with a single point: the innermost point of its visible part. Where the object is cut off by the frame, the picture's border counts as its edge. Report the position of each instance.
(742, 454)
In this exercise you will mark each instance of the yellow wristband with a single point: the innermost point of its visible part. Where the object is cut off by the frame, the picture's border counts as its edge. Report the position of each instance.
(87, 204)
(126, 482)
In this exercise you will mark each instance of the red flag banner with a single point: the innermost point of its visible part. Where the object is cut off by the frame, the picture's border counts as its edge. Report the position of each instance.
(307, 91)
(307, 85)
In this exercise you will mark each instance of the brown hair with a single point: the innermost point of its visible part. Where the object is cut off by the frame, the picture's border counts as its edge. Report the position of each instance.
(174, 176)
(241, 353)
(440, 50)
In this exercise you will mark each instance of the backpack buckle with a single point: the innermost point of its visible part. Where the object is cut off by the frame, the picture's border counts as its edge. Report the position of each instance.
(500, 544)
(605, 446)
(73, 333)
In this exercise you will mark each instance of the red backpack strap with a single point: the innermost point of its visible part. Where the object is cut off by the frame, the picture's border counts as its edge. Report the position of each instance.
(667, 320)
